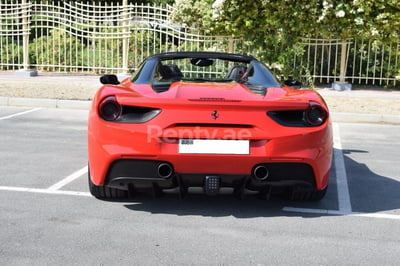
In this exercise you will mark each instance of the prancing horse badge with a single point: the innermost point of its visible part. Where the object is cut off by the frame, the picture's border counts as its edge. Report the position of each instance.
(215, 114)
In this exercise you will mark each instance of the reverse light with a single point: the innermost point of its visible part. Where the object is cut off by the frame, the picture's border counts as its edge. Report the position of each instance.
(109, 109)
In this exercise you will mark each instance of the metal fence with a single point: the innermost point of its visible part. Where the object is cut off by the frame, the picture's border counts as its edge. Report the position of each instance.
(76, 37)
(366, 62)
(101, 37)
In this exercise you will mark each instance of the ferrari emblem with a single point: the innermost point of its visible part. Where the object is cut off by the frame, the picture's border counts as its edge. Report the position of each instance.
(215, 114)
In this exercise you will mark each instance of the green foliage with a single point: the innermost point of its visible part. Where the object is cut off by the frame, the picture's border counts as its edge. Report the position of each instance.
(276, 26)
(329, 18)
(10, 47)
(10, 54)
(374, 58)
(142, 44)
(57, 48)
(309, 79)
(194, 14)
(62, 51)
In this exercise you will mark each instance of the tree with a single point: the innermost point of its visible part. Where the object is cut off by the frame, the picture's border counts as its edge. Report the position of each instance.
(277, 25)
(328, 18)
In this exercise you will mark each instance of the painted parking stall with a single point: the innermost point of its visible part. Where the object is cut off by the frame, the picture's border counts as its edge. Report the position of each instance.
(338, 202)
(49, 217)
(40, 146)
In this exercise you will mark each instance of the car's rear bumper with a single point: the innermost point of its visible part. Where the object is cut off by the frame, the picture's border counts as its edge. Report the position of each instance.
(148, 173)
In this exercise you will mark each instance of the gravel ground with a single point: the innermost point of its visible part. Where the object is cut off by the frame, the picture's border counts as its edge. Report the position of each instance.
(368, 101)
(49, 87)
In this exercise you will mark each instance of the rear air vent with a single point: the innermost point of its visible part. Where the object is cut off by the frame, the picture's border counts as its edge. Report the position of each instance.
(204, 99)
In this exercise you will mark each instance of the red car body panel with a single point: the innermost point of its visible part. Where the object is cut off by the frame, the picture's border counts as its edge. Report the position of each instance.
(271, 142)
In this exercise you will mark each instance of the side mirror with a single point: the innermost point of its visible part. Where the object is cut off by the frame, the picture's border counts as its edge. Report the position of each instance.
(109, 79)
(295, 84)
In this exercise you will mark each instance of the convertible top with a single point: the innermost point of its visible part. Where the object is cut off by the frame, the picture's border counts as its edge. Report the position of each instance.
(153, 70)
(203, 55)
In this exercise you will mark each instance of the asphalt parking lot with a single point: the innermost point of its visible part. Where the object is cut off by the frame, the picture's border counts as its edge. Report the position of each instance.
(49, 218)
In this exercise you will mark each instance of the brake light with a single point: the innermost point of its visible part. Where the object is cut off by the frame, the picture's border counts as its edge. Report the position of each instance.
(109, 109)
(315, 115)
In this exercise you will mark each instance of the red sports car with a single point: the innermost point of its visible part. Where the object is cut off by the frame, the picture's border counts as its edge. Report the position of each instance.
(210, 120)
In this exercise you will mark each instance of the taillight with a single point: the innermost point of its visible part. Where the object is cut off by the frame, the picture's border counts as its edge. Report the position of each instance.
(109, 109)
(315, 115)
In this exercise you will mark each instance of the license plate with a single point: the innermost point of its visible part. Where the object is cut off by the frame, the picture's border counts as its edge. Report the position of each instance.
(214, 146)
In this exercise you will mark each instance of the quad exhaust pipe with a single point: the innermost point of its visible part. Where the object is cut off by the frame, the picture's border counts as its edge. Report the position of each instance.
(261, 173)
(165, 170)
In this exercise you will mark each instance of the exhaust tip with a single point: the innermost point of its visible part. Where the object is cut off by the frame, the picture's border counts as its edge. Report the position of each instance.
(261, 173)
(165, 170)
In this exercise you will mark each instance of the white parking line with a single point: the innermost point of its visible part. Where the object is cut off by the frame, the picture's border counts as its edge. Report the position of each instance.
(376, 215)
(287, 209)
(20, 113)
(309, 210)
(68, 179)
(342, 188)
(341, 175)
(45, 191)
(340, 213)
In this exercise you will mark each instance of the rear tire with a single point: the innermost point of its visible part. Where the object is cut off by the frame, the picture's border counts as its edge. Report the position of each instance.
(104, 192)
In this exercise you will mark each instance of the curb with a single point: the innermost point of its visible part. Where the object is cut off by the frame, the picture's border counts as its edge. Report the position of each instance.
(365, 118)
(359, 94)
(85, 105)
(45, 103)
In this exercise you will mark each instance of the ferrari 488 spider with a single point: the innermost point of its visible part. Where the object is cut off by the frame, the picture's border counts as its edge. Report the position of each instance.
(210, 120)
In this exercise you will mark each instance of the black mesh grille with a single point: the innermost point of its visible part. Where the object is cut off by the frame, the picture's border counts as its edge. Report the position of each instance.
(290, 172)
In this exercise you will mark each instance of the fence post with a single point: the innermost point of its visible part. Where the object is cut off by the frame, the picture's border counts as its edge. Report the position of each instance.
(25, 71)
(343, 56)
(342, 84)
(125, 38)
(231, 45)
